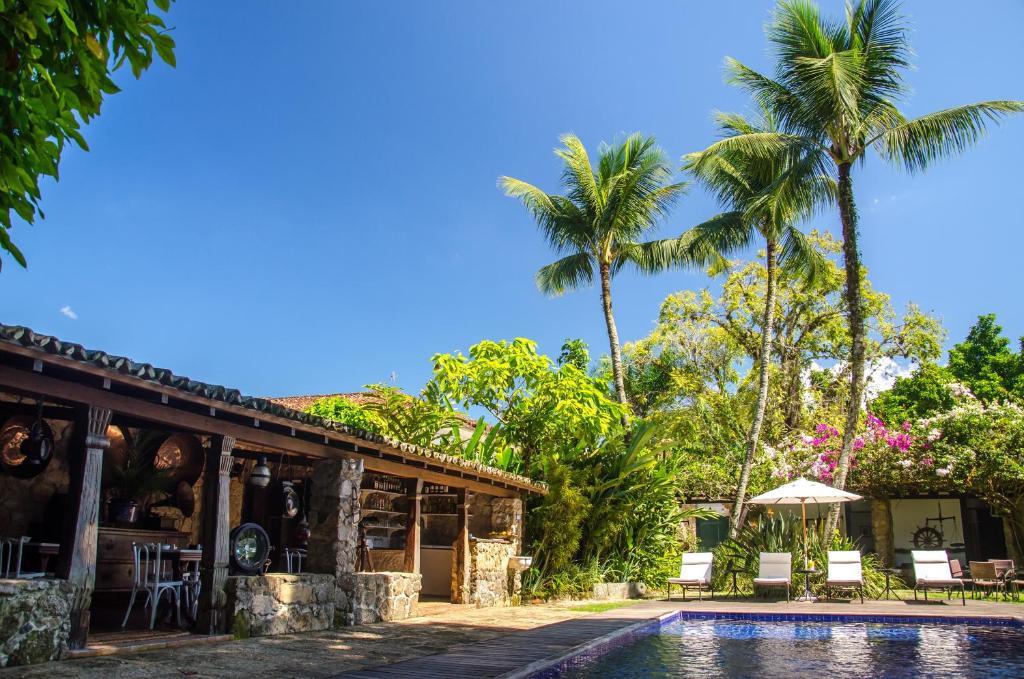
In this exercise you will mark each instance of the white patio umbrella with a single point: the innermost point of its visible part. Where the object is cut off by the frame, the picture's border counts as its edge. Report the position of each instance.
(801, 492)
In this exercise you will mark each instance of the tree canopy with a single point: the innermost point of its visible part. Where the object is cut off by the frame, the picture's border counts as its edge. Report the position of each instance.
(60, 56)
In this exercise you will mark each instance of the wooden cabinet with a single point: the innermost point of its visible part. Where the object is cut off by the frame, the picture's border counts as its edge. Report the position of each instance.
(114, 567)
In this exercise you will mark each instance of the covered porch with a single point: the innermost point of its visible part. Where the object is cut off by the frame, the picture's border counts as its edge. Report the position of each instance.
(287, 521)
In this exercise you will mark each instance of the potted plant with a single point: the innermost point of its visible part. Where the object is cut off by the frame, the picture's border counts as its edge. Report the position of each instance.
(134, 481)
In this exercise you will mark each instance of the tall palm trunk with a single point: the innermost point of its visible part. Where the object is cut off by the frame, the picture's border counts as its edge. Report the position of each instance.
(613, 334)
(851, 257)
(738, 508)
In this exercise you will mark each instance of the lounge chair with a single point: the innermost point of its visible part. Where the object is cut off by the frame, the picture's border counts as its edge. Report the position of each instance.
(694, 571)
(931, 571)
(844, 572)
(774, 569)
(1005, 569)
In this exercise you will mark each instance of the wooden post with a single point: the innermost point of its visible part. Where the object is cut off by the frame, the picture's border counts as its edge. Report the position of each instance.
(461, 559)
(412, 529)
(216, 526)
(77, 563)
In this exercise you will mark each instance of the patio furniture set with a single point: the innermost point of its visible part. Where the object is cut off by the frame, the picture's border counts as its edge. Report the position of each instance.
(933, 570)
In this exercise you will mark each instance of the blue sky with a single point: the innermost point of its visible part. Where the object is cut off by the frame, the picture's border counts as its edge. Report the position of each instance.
(308, 202)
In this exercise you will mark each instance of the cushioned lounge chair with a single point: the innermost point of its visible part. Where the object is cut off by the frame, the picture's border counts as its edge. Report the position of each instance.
(694, 571)
(845, 573)
(774, 569)
(931, 571)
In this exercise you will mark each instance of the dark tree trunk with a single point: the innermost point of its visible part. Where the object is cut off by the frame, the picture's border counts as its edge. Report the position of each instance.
(613, 336)
(851, 261)
(762, 393)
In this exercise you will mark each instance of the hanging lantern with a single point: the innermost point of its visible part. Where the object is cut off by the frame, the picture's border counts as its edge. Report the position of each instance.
(260, 475)
(289, 500)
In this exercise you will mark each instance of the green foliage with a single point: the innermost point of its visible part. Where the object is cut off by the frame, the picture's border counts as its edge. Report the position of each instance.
(925, 393)
(544, 410)
(575, 352)
(985, 363)
(59, 58)
(345, 411)
(489, 445)
(556, 522)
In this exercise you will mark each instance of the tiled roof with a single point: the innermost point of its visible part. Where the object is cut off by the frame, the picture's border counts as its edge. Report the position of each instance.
(25, 337)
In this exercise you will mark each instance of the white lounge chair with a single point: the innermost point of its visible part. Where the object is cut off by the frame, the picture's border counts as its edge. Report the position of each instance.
(695, 571)
(931, 571)
(774, 569)
(844, 572)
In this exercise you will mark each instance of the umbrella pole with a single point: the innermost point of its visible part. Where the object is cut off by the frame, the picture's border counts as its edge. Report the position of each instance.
(803, 510)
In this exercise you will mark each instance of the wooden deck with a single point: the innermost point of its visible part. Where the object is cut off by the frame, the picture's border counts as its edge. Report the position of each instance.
(510, 654)
(520, 654)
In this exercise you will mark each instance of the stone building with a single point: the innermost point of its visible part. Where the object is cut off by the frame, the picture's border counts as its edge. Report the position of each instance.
(290, 522)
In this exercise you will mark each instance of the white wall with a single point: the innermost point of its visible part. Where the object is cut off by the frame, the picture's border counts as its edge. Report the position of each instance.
(910, 515)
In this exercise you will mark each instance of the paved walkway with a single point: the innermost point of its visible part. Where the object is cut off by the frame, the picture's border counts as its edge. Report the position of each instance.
(450, 641)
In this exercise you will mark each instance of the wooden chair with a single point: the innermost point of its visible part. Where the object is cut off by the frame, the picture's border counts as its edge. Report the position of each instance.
(151, 575)
(845, 572)
(984, 576)
(1005, 570)
(932, 571)
(694, 571)
(775, 569)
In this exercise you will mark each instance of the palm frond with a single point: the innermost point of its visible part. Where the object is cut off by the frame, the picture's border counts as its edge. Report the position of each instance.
(711, 242)
(799, 257)
(919, 142)
(567, 273)
(655, 256)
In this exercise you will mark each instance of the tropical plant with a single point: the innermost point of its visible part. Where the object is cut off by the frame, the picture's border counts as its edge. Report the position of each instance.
(834, 95)
(597, 225)
(544, 410)
(137, 477)
(59, 56)
(763, 196)
(345, 411)
(489, 445)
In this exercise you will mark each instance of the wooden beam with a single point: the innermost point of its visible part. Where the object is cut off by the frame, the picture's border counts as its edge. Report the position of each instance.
(412, 529)
(460, 556)
(168, 416)
(77, 562)
(215, 517)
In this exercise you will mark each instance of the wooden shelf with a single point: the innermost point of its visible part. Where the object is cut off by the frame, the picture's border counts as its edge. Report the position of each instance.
(383, 492)
(366, 510)
(426, 495)
(439, 514)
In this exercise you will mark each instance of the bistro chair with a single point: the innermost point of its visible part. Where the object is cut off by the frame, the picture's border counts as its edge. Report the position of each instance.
(694, 571)
(152, 575)
(845, 573)
(774, 569)
(932, 571)
(11, 550)
(984, 575)
(293, 559)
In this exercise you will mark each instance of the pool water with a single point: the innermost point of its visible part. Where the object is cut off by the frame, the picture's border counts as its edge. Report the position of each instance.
(745, 648)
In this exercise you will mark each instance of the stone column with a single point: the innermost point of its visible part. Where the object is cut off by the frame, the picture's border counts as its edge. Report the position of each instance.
(881, 528)
(216, 526)
(334, 528)
(78, 549)
(507, 517)
(461, 559)
(412, 528)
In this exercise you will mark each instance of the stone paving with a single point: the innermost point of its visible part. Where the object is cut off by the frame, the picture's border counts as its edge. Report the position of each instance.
(443, 628)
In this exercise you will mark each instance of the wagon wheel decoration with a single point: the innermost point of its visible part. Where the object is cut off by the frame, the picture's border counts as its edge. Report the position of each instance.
(927, 537)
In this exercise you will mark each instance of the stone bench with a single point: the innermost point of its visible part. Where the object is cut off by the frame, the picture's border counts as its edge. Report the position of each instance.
(279, 603)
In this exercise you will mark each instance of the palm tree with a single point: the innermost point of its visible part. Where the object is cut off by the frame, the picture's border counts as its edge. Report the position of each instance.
(834, 93)
(598, 223)
(763, 196)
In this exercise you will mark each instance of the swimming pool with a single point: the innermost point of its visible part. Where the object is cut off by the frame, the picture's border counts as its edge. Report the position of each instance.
(732, 647)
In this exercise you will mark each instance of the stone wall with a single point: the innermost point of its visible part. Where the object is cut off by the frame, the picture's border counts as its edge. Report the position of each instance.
(35, 620)
(384, 597)
(489, 577)
(279, 603)
(618, 590)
